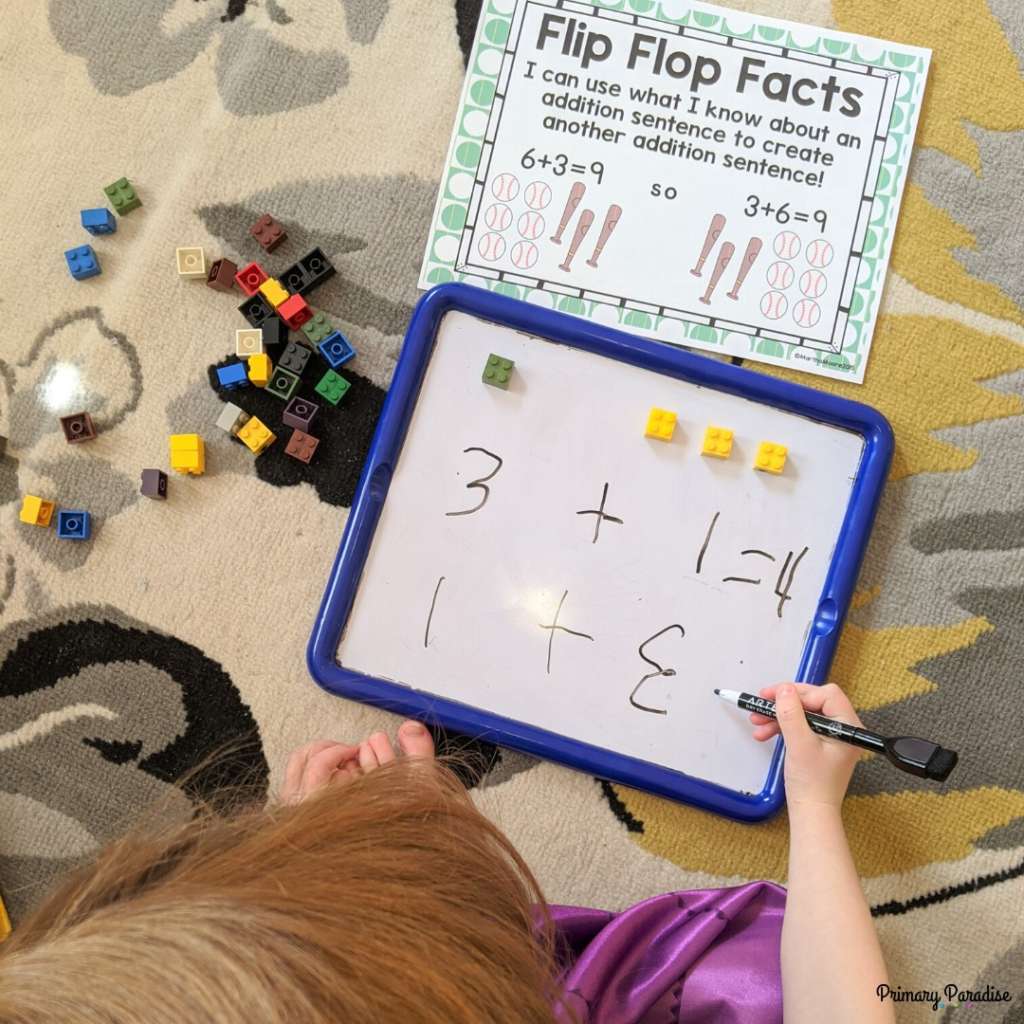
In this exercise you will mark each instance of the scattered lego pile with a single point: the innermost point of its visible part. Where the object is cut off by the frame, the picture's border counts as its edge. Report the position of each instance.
(273, 307)
(82, 260)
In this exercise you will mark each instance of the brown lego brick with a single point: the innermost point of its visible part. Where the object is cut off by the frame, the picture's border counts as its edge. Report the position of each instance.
(268, 232)
(301, 446)
(77, 428)
(221, 275)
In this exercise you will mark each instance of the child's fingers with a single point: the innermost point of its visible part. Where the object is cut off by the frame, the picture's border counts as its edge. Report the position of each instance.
(297, 761)
(367, 757)
(800, 741)
(828, 700)
(381, 746)
(322, 765)
(837, 705)
(415, 740)
(766, 732)
(813, 698)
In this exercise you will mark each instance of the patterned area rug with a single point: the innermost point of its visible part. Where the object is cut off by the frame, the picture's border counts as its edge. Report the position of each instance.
(182, 624)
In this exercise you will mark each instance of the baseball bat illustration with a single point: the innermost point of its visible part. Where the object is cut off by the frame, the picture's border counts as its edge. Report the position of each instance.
(575, 195)
(611, 218)
(715, 229)
(724, 255)
(586, 219)
(750, 255)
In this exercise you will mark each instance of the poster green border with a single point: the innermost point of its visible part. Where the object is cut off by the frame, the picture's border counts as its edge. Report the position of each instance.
(466, 149)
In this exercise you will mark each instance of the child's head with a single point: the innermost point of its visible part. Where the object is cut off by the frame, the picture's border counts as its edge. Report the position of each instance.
(386, 899)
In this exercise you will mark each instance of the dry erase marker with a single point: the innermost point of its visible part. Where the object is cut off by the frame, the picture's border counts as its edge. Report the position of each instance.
(909, 754)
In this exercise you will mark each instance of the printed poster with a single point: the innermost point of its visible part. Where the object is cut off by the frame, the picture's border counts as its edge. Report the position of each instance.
(698, 175)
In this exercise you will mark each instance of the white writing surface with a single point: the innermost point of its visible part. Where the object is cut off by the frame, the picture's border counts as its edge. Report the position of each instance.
(539, 558)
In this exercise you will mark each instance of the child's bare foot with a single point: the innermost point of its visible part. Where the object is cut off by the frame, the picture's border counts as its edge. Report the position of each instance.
(323, 761)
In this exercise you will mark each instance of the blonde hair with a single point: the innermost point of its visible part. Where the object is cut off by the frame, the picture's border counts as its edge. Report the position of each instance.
(387, 899)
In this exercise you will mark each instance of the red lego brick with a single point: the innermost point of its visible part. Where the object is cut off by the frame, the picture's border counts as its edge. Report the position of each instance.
(250, 277)
(301, 446)
(268, 232)
(294, 311)
(221, 275)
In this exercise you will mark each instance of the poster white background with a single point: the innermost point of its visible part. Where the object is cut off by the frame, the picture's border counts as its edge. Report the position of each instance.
(743, 188)
(669, 202)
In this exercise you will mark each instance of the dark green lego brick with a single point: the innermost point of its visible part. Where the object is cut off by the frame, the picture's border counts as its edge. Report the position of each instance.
(332, 386)
(317, 329)
(122, 196)
(282, 383)
(498, 371)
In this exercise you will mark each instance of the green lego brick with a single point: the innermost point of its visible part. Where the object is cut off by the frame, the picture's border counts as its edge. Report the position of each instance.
(498, 371)
(122, 196)
(318, 328)
(282, 383)
(332, 386)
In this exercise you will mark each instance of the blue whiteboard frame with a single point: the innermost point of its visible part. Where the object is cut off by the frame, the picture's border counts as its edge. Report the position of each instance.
(372, 492)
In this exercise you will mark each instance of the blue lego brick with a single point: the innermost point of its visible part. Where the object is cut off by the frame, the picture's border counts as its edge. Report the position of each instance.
(73, 524)
(99, 221)
(82, 262)
(234, 375)
(336, 349)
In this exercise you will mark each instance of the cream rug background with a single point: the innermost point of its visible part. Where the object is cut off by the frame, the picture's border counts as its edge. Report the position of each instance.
(182, 624)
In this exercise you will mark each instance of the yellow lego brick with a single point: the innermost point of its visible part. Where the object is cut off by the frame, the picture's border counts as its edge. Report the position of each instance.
(5, 922)
(771, 458)
(255, 436)
(717, 442)
(661, 424)
(272, 291)
(36, 511)
(259, 369)
(188, 454)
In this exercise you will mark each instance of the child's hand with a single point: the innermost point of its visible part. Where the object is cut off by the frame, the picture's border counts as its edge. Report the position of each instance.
(316, 764)
(817, 770)
(324, 761)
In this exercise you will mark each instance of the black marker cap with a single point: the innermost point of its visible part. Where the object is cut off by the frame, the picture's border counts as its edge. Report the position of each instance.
(921, 757)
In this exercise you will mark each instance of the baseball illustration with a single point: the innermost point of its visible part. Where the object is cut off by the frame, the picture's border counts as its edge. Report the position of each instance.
(491, 246)
(498, 217)
(721, 262)
(714, 230)
(537, 195)
(582, 227)
(750, 254)
(819, 253)
(787, 245)
(505, 187)
(806, 313)
(774, 305)
(524, 255)
(812, 283)
(531, 225)
(575, 195)
(611, 218)
(780, 275)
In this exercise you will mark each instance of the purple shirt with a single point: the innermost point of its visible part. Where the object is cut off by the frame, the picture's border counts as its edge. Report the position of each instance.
(710, 955)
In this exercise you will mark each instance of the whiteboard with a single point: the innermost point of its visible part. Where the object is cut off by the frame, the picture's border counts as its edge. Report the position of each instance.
(534, 607)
